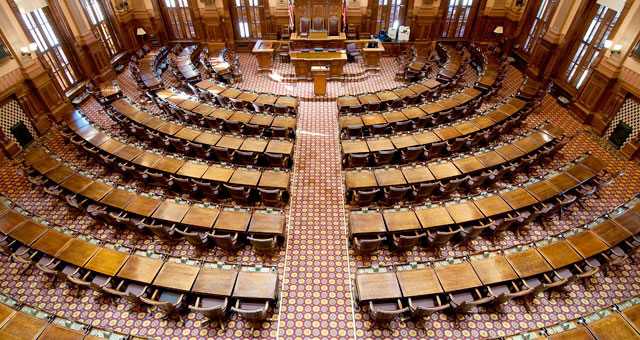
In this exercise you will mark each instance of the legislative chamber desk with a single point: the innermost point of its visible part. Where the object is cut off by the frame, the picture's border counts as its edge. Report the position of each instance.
(302, 61)
(263, 50)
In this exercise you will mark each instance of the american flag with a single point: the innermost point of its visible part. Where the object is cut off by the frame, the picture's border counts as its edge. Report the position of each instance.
(344, 15)
(290, 15)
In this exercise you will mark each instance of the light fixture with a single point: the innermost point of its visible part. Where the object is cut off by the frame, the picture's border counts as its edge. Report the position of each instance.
(27, 50)
(608, 43)
(140, 31)
(617, 48)
(498, 30)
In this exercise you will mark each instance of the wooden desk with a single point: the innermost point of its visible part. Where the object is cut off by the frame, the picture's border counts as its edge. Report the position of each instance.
(492, 206)
(559, 254)
(587, 244)
(140, 269)
(542, 191)
(283, 147)
(321, 40)
(77, 252)
(518, 198)
(201, 216)
(302, 62)
(468, 165)
(320, 75)
(464, 212)
(354, 146)
(143, 206)
(443, 170)
(118, 198)
(434, 217)
(248, 177)
(418, 282)
(256, 285)
(457, 277)
(274, 179)
(495, 269)
(399, 221)
(528, 262)
(371, 223)
(57, 332)
(417, 174)
(613, 326)
(9, 221)
(171, 211)
(233, 221)
(107, 261)
(215, 281)
(51, 242)
(611, 233)
(578, 333)
(22, 326)
(360, 180)
(266, 223)
(176, 276)
(28, 232)
(377, 286)
(389, 176)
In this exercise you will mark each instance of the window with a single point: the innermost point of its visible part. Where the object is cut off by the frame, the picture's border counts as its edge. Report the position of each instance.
(539, 24)
(178, 14)
(590, 45)
(96, 15)
(49, 46)
(248, 15)
(457, 18)
(389, 13)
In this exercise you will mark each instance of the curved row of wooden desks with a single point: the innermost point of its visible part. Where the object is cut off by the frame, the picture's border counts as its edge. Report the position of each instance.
(536, 140)
(202, 110)
(256, 145)
(191, 169)
(491, 278)
(453, 215)
(190, 215)
(620, 321)
(269, 100)
(21, 321)
(511, 108)
(84, 260)
(147, 68)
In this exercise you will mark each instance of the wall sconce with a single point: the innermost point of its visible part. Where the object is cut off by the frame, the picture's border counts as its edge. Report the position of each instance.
(27, 50)
(140, 31)
(499, 30)
(616, 48)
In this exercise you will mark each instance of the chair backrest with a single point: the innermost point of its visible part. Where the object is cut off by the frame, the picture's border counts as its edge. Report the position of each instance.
(373, 106)
(280, 109)
(357, 160)
(366, 196)
(305, 24)
(238, 193)
(351, 47)
(402, 125)
(334, 26)
(253, 129)
(247, 157)
(233, 126)
(263, 245)
(407, 241)
(317, 23)
(424, 190)
(257, 314)
(183, 183)
(383, 316)
(280, 131)
(258, 107)
(225, 241)
(395, 194)
(384, 156)
(223, 154)
(211, 308)
(269, 196)
(441, 237)
(277, 160)
(354, 131)
(193, 237)
(238, 104)
(367, 245)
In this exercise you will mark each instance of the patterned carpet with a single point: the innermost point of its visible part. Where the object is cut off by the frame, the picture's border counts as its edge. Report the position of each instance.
(316, 265)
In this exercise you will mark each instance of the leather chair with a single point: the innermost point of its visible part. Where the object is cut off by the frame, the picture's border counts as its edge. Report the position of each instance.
(248, 157)
(209, 191)
(233, 126)
(367, 245)
(170, 302)
(305, 26)
(277, 160)
(404, 242)
(352, 52)
(423, 307)
(422, 191)
(317, 24)
(263, 245)
(212, 308)
(383, 313)
(373, 106)
(131, 291)
(439, 238)
(184, 186)
(200, 150)
(378, 129)
(464, 301)
(365, 197)
(411, 153)
(506, 291)
(383, 157)
(450, 187)
(280, 131)
(270, 197)
(224, 154)
(352, 131)
(433, 151)
(357, 160)
(393, 195)
(334, 27)
(254, 129)
(238, 194)
(197, 239)
(401, 126)
(226, 241)
(254, 311)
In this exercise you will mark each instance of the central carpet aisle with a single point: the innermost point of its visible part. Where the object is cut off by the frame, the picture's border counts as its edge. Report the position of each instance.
(316, 295)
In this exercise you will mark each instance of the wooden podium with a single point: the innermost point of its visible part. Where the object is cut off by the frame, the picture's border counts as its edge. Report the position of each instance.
(320, 75)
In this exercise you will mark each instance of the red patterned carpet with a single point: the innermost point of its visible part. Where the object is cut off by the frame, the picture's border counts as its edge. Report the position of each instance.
(316, 265)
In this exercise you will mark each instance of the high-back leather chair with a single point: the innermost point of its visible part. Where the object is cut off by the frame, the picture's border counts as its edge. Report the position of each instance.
(317, 24)
(334, 27)
(305, 25)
